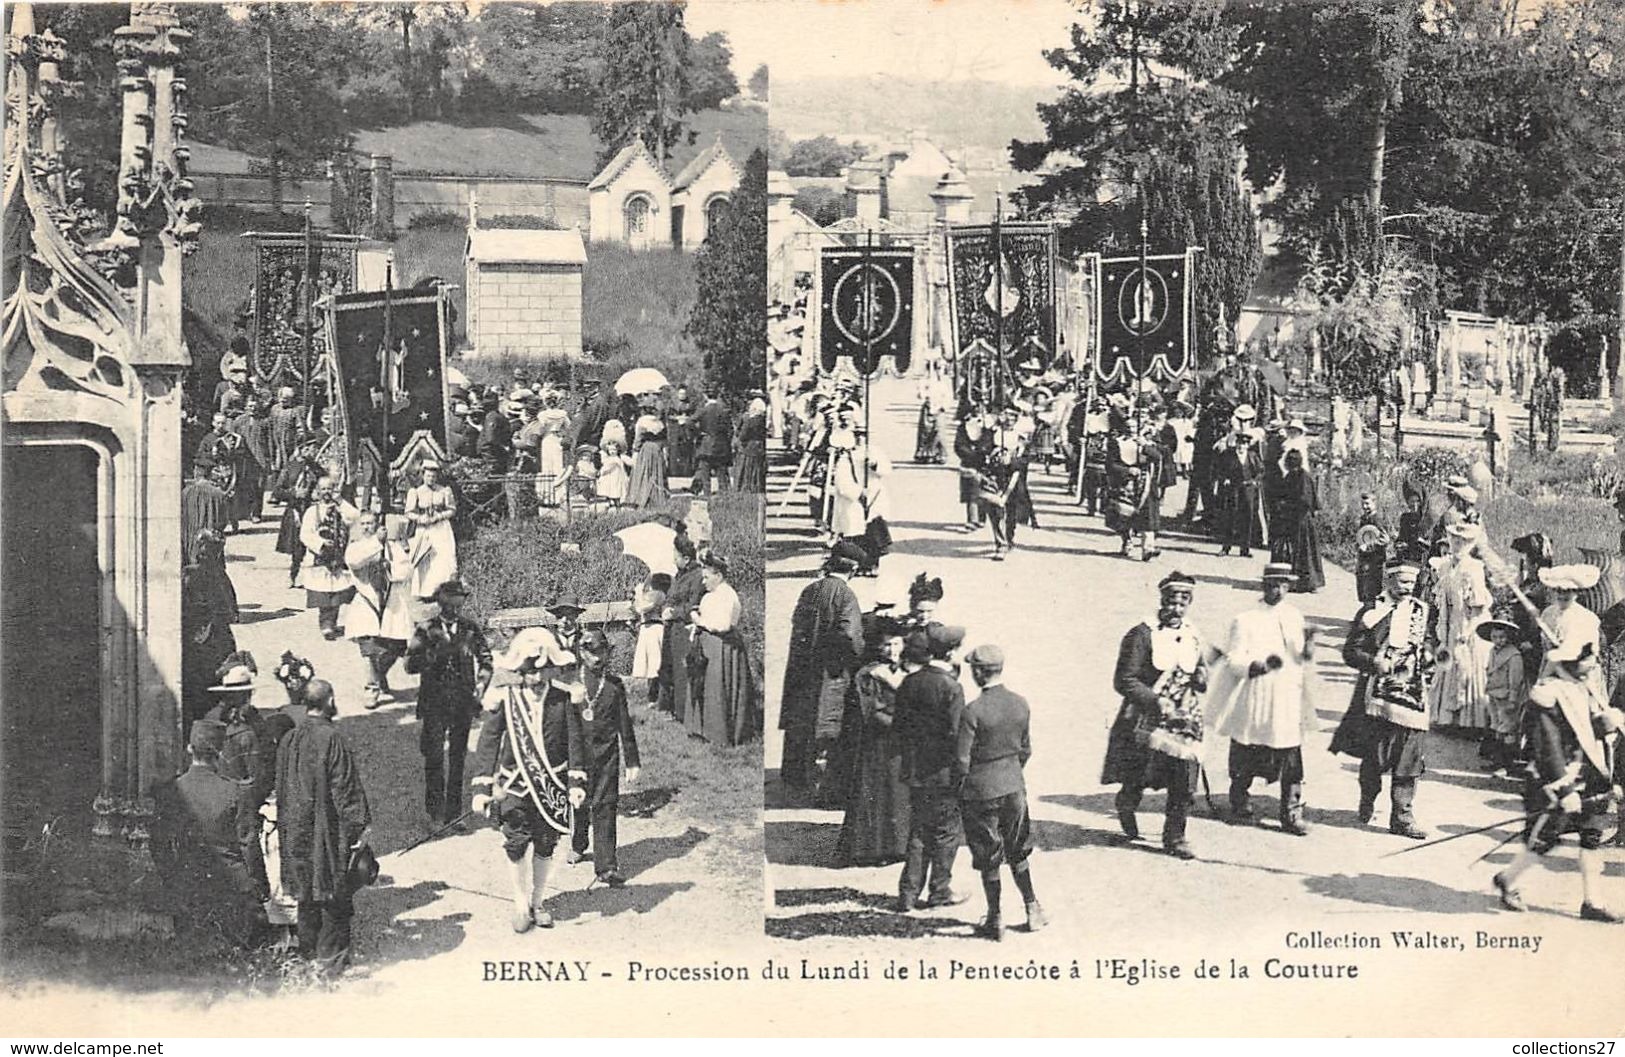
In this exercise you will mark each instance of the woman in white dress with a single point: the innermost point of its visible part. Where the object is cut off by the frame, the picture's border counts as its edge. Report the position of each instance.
(647, 602)
(430, 507)
(554, 424)
(1459, 694)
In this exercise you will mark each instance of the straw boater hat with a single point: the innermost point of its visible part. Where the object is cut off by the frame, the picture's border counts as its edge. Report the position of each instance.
(238, 679)
(1571, 577)
(1279, 571)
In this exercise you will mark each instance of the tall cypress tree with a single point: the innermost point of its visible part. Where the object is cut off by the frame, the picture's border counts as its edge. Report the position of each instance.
(728, 323)
(644, 91)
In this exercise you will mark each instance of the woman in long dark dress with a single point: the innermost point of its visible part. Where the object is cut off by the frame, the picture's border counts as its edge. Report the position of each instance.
(1297, 543)
(722, 705)
(875, 830)
(647, 486)
(750, 470)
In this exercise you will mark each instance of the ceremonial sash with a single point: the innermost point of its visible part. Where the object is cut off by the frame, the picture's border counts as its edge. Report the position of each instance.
(533, 774)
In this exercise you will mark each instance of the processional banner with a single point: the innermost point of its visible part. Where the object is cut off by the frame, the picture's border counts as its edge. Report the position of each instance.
(1001, 283)
(866, 306)
(390, 357)
(1145, 317)
(279, 299)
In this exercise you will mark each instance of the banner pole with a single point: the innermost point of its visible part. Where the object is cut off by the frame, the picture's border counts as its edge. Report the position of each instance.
(386, 492)
(1139, 311)
(868, 340)
(310, 283)
(998, 298)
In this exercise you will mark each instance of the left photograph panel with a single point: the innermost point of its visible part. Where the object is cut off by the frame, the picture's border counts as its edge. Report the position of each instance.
(382, 520)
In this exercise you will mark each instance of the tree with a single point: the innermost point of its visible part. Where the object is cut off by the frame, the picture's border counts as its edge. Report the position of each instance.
(1323, 82)
(728, 323)
(758, 82)
(821, 156)
(822, 205)
(710, 76)
(1146, 109)
(537, 57)
(644, 93)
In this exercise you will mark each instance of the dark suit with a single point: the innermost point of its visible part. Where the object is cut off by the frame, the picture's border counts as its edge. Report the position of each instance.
(715, 452)
(496, 441)
(1238, 481)
(609, 738)
(993, 746)
(563, 738)
(928, 709)
(452, 663)
(196, 851)
(248, 761)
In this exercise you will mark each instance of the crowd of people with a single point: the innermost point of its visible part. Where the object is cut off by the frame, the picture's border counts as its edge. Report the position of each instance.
(274, 815)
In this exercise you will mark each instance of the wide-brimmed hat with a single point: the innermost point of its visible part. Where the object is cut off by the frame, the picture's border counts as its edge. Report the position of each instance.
(1278, 571)
(1486, 626)
(566, 604)
(1571, 577)
(238, 679)
(451, 588)
(1244, 412)
(363, 869)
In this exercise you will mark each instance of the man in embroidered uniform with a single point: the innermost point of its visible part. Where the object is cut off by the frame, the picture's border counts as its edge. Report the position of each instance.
(1392, 645)
(531, 765)
(449, 652)
(610, 740)
(1572, 736)
(1258, 700)
(993, 745)
(1156, 740)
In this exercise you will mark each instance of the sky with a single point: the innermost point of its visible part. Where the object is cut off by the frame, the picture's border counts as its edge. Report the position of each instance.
(927, 40)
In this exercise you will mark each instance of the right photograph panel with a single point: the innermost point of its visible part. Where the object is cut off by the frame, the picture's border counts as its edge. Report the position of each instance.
(1193, 529)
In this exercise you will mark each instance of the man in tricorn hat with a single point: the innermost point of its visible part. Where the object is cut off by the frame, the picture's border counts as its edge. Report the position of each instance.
(928, 708)
(993, 745)
(826, 649)
(1572, 735)
(1392, 644)
(450, 654)
(532, 759)
(1260, 702)
(610, 741)
(1156, 740)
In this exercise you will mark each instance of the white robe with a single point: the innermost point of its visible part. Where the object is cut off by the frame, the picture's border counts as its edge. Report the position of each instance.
(314, 577)
(1270, 709)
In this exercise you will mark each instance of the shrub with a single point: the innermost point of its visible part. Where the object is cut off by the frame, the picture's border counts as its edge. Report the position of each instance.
(524, 221)
(438, 220)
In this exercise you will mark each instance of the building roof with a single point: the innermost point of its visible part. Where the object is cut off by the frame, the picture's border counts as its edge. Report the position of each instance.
(526, 246)
(623, 158)
(704, 160)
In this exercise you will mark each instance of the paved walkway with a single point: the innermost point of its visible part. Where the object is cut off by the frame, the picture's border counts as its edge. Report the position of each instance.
(1060, 606)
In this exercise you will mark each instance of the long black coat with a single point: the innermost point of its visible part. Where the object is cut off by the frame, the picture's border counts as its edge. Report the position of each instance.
(450, 666)
(1237, 479)
(321, 809)
(826, 647)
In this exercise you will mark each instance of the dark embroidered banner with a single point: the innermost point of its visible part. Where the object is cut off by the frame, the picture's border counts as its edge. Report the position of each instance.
(1149, 312)
(279, 300)
(867, 306)
(1002, 286)
(392, 403)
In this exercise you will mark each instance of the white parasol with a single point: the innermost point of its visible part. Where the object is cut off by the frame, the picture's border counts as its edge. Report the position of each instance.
(640, 380)
(651, 544)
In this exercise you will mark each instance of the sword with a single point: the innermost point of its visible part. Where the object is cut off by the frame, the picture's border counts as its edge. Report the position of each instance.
(431, 836)
(1457, 836)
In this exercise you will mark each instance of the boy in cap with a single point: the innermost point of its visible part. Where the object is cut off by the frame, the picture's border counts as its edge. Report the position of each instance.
(609, 740)
(1156, 740)
(1392, 644)
(449, 653)
(928, 708)
(1571, 734)
(1506, 684)
(993, 745)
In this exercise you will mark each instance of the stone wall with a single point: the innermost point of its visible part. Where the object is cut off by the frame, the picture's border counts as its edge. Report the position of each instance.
(526, 309)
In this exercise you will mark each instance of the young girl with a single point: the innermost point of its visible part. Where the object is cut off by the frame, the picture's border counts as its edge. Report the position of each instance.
(647, 603)
(612, 475)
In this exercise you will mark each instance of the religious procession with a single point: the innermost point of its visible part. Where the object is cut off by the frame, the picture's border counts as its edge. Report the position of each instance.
(437, 575)
(999, 445)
